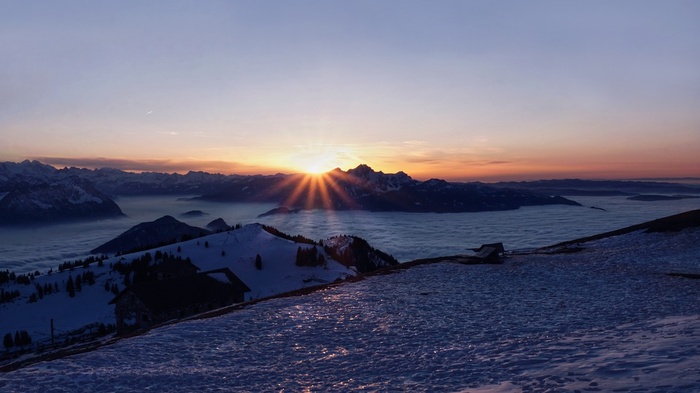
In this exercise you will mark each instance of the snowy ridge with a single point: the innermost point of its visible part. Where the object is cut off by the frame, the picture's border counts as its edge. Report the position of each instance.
(25, 172)
(70, 198)
(379, 181)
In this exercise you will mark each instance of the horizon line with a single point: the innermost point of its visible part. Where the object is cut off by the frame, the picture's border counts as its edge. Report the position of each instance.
(183, 167)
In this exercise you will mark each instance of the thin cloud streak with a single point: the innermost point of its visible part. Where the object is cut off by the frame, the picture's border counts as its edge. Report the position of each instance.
(164, 166)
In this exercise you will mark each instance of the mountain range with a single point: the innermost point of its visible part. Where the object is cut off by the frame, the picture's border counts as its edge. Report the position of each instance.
(69, 198)
(360, 188)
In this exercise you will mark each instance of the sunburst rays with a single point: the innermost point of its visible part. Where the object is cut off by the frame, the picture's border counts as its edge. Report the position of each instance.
(327, 191)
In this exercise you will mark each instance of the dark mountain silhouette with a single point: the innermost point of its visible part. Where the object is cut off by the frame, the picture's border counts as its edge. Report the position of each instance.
(654, 198)
(194, 213)
(365, 189)
(218, 225)
(581, 187)
(282, 210)
(360, 188)
(165, 230)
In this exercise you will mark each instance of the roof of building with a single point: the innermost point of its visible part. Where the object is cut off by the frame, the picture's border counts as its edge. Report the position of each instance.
(181, 292)
(174, 266)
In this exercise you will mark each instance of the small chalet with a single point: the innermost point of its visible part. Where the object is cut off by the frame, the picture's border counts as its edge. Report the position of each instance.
(490, 253)
(148, 303)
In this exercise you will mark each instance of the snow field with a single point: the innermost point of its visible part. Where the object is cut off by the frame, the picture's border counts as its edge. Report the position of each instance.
(240, 247)
(605, 319)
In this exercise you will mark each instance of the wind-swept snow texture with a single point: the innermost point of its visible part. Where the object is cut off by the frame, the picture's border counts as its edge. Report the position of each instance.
(236, 250)
(607, 318)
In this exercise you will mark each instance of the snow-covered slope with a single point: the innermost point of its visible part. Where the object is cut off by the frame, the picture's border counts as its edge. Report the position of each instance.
(606, 318)
(238, 249)
(235, 249)
(26, 172)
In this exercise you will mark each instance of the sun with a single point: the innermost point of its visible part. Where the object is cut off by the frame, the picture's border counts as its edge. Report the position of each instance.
(315, 168)
(317, 159)
(316, 164)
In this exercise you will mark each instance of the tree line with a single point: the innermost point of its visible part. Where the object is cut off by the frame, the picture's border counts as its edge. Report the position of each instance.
(20, 339)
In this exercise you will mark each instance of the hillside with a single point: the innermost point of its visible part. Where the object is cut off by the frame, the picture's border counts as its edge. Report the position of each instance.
(611, 314)
(36, 301)
(165, 230)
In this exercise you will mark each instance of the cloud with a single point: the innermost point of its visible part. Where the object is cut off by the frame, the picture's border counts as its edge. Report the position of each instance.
(414, 143)
(167, 166)
(497, 162)
(420, 159)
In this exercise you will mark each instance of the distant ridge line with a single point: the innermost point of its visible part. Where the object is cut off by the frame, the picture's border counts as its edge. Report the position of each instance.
(672, 223)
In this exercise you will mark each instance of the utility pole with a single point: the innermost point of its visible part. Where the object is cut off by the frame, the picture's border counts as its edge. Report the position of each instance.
(52, 336)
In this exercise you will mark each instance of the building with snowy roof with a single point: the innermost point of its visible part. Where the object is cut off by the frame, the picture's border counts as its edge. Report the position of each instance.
(149, 303)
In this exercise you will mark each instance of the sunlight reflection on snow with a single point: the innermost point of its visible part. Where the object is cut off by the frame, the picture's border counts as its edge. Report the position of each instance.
(603, 319)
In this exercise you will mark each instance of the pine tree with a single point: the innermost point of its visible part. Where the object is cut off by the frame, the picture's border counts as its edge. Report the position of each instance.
(8, 342)
(24, 337)
(70, 287)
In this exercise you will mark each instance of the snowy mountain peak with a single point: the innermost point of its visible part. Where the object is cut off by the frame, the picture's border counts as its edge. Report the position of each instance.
(69, 198)
(363, 171)
(379, 181)
(25, 172)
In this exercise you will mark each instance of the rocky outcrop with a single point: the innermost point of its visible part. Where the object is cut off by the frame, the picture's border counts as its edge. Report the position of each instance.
(355, 252)
(68, 199)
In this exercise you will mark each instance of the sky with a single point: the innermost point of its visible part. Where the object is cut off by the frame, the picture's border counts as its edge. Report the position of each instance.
(459, 90)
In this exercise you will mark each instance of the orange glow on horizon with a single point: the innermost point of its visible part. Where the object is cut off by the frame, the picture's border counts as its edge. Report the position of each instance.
(321, 180)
